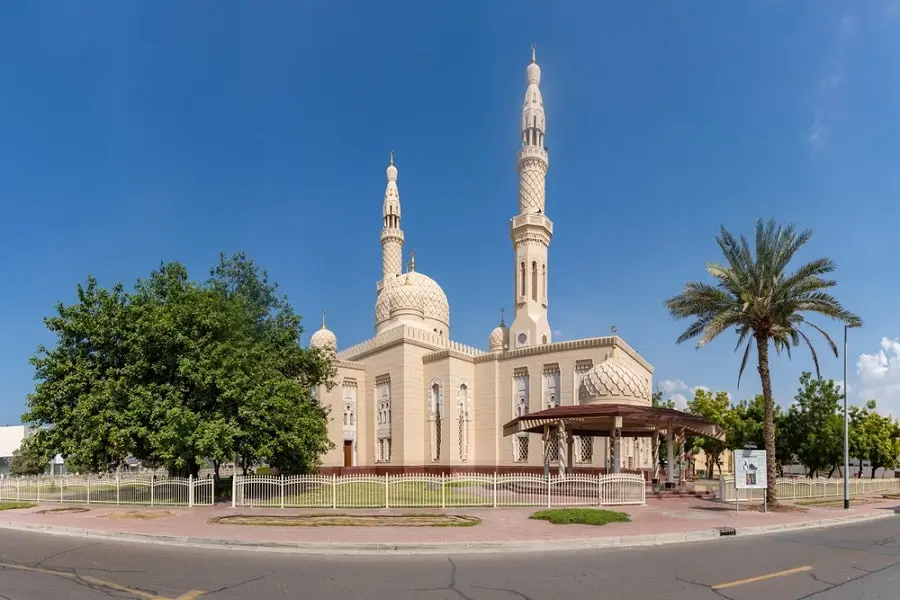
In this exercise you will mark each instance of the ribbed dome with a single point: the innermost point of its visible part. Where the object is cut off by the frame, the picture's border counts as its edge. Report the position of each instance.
(324, 337)
(415, 294)
(614, 381)
(499, 338)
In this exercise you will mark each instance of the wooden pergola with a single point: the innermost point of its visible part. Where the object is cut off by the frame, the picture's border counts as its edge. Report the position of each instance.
(614, 421)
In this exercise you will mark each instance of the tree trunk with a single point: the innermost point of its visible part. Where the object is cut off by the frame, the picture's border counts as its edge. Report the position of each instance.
(762, 349)
(831, 472)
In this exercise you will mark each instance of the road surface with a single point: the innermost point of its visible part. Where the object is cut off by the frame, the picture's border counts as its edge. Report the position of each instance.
(858, 561)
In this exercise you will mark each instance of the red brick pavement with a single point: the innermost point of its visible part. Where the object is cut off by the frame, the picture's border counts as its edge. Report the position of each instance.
(498, 525)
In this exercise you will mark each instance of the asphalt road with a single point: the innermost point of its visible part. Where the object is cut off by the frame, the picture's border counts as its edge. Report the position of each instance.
(857, 561)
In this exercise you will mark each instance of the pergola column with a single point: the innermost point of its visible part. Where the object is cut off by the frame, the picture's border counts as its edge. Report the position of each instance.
(570, 454)
(670, 455)
(546, 450)
(560, 433)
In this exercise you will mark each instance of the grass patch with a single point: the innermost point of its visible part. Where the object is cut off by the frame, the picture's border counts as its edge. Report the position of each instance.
(15, 505)
(580, 516)
(343, 520)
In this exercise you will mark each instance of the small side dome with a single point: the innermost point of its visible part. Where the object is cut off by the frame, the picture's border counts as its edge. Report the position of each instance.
(614, 381)
(324, 337)
(499, 338)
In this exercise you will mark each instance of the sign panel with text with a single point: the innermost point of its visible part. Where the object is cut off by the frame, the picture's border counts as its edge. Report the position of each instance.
(750, 469)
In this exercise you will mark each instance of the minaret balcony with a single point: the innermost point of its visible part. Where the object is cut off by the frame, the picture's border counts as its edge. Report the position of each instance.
(529, 151)
(531, 220)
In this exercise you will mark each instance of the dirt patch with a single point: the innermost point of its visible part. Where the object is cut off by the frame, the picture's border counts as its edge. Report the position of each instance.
(67, 510)
(142, 515)
(341, 520)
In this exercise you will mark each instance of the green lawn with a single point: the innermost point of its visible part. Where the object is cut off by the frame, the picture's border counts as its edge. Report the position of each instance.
(372, 494)
(580, 516)
(15, 505)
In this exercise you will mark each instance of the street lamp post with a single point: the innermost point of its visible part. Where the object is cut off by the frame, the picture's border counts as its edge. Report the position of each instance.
(846, 432)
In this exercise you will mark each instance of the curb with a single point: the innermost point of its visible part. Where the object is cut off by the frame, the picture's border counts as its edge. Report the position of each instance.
(484, 547)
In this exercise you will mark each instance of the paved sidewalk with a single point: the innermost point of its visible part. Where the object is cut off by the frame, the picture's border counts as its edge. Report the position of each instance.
(503, 529)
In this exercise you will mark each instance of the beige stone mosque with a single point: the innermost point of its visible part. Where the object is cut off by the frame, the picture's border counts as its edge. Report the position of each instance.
(412, 399)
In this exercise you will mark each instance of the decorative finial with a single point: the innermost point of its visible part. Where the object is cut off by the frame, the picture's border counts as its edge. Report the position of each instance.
(502, 310)
(392, 157)
(533, 55)
(323, 319)
(412, 260)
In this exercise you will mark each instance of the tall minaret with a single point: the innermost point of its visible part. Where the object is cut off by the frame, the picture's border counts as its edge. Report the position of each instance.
(531, 230)
(391, 234)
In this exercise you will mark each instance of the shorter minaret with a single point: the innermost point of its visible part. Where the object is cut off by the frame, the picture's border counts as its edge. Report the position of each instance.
(391, 234)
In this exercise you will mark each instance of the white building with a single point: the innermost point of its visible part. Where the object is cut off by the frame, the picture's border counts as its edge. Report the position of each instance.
(411, 398)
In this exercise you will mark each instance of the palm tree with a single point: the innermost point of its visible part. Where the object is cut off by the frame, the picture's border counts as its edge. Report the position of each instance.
(754, 296)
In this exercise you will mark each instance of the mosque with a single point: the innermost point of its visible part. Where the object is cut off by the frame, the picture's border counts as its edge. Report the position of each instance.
(412, 399)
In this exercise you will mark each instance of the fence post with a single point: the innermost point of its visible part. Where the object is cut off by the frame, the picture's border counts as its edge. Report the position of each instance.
(333, 489)
(18, 494)
(549, 504)
(495, 489)
(118, 487)
(61, 483)
(87, 486)
(387, 494)
(282, 491)
(152, 488)
(37, 481)
(234, 477)
(599, 490)
(190, 490)
(443, 493)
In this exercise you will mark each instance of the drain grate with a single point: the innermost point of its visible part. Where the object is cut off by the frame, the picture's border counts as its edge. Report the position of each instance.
(723, 531)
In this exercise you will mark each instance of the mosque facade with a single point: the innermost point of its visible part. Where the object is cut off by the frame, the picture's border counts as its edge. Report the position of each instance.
(412, 399)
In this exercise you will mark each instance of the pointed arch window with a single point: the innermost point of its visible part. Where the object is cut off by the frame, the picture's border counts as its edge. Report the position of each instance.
(436, 417)
(522, 279)
(462, 421)
(534, 281)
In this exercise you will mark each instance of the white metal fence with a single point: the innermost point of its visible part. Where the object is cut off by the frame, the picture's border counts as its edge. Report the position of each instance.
(804, 488)
(129, 489)
(436, 491)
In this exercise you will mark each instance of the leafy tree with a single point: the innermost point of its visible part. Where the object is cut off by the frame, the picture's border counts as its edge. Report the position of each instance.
(756, 297)
(874, 437)
(179, 372)
(859, 436)
(27, 460)
(717, 409)
(817, 428)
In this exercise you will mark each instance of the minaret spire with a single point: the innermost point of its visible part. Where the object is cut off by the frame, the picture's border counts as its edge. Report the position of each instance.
(391, 234)
(531, 230)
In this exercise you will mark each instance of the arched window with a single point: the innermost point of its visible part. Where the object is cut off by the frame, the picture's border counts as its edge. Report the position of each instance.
(544, 288)
(534, 281)
(436, 410)
(522, 280)
(462, 420)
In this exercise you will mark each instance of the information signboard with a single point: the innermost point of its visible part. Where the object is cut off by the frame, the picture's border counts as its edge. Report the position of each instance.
(750, 469)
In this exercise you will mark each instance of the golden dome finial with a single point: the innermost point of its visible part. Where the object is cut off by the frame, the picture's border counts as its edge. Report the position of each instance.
(323, 319)
(412, 260)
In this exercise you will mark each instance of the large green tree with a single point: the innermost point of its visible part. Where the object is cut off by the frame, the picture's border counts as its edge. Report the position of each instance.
(179, 372)
(816, 428)
(755, 296)
(714, 407)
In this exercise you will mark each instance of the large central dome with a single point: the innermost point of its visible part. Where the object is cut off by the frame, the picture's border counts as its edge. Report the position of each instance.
(412, 298)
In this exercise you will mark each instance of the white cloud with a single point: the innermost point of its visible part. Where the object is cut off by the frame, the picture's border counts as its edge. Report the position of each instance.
(670, 386)
(679, 392)
(830, 84)
(878, 376)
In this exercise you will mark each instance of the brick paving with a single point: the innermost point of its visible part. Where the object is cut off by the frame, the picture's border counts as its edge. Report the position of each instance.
(657, 517)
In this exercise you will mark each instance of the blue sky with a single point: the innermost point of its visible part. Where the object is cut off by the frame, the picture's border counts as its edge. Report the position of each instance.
(140, 132)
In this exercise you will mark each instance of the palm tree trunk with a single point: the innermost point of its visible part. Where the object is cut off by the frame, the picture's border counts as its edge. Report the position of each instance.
(762, 349)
